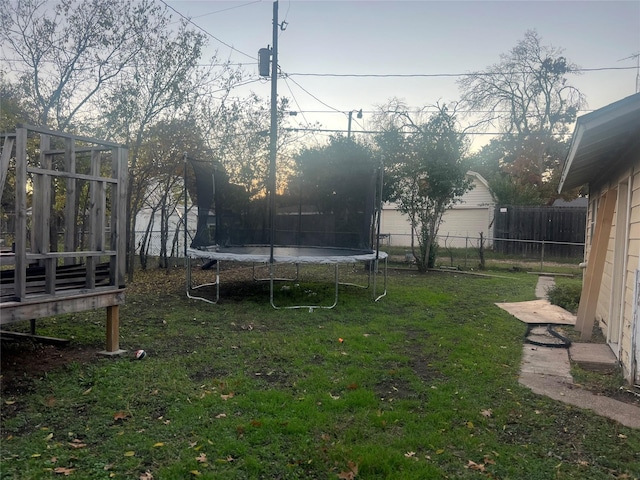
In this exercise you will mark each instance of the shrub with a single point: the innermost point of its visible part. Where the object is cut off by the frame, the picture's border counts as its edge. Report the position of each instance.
(566, 296)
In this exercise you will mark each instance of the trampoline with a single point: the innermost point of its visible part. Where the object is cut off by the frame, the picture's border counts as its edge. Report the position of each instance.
(328, 218)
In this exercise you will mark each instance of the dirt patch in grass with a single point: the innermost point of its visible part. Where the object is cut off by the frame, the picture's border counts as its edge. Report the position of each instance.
(24, 362)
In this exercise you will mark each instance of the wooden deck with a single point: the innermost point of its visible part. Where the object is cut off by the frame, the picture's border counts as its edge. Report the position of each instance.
(72, 294)
(58, 268)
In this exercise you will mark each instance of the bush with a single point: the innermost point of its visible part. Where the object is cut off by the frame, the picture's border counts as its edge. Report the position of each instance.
(566, 296)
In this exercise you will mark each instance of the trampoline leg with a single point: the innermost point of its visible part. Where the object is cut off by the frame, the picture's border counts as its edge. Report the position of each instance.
(375, 276)
(190, 287)
(311, 308)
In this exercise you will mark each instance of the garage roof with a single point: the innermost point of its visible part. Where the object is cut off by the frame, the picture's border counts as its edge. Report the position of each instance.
(600, 143)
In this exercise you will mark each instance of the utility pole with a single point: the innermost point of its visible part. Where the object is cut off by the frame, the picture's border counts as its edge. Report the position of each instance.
(274, 132)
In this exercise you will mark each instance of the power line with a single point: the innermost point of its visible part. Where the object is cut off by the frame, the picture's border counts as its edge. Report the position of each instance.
(296, 101)
(427, 110)
(314, 97)
(428, 75)
(206, 32)
(331, 130)
(227, 9)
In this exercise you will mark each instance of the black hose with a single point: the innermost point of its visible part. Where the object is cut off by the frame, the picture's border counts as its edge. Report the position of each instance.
(566, 343)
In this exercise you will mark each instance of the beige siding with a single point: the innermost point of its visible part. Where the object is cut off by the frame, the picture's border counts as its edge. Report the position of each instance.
(624, 348)
(473, 214)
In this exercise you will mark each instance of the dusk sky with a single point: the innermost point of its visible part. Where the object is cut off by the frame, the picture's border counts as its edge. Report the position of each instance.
(414, 37)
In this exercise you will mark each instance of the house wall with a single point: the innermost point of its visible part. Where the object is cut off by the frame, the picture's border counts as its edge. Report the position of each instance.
(617, 307)
(474, 214)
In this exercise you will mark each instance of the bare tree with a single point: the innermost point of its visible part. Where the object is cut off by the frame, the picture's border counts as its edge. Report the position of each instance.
(63, 53)
(527, 96)
(527, 91)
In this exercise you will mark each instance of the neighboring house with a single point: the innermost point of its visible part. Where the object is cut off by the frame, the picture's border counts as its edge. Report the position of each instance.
(466, 219)
(605, 154)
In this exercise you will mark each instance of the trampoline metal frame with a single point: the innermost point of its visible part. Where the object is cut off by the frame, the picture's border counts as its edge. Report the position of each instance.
(272, 279)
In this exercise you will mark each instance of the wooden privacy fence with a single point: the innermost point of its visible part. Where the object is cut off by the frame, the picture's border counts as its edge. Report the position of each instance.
(526, 230)
(69, 226)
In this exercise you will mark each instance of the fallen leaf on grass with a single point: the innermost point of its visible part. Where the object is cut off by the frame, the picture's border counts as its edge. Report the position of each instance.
(158, 444)
(146, 476)
(87, 391)
(486, 413)
(130, 453)
(119, 416)
(64, 471)
(227, 397)
(75, 443)
(195, 473)
(349, 474)
(221, 415)
(471, 465)
(48, 437)
(410, 454)
(202, 458)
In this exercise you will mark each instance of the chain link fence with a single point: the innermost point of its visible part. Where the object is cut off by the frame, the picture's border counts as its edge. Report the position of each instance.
(467, 252)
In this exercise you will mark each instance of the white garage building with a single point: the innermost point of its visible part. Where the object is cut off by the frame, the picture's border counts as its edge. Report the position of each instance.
(466, 219)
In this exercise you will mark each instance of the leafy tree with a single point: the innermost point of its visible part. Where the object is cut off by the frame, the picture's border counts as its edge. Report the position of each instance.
(237, 131)
(425, 173)
(522, 170)
(338, 178)
(527, 95)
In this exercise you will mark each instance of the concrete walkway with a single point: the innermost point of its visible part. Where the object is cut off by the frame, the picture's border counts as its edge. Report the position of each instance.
(547, 371)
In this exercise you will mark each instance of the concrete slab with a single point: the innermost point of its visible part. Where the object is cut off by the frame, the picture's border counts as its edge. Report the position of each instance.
(116, 353)
(539, 311)
(559, 389)
(596, 357)
(544, 285)
(547, 371)
(546, 361)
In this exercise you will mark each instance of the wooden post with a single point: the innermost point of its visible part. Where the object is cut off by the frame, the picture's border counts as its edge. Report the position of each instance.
(70, 212)
(595, 265)
(7, 148)
(113, 329)
(21, 214)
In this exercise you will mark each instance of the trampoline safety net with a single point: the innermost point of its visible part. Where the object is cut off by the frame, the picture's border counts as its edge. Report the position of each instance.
(323, 206)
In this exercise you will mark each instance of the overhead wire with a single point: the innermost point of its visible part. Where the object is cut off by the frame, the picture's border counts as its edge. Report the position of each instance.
(427, 75)
(207, 32)
(227, 9)
(296, 102)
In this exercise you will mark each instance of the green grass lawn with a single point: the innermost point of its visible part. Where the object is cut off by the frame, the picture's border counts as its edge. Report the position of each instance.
(422, 384)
